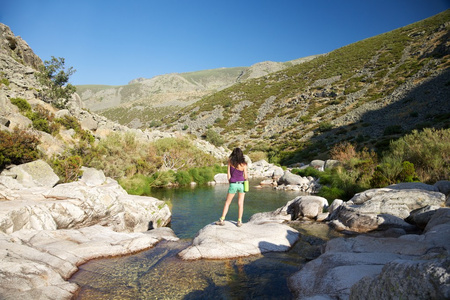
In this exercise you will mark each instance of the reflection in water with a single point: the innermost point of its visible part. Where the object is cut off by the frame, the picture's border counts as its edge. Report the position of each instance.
(158, 273)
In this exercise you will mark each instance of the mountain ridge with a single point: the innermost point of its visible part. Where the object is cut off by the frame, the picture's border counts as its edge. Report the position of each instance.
(169, 90)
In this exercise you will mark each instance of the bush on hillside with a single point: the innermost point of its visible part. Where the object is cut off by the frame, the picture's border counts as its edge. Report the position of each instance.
(68, 168)
(162, 178)
(214, 138)
(181, 154)
(18, 147)
(122, 155)
(428, 150)
(22, 104)
(325, 126)
(258, 155)
(420, 156)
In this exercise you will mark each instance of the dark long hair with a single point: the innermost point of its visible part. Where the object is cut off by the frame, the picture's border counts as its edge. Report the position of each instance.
(237, 157)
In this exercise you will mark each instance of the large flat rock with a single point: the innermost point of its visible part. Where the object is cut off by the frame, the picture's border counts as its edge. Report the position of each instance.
(230, 241)
(35, 264)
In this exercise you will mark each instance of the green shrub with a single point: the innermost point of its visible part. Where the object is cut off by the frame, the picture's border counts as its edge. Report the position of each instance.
(22, 104)
(309, 171)
(219, 169)
(137, 185)
(69, 122)
(202, 175)
(68, 168)
(18, 147)
(408, 173)
(214, 138)
(155, 123)
(195, 174)
(427, 150)
(331, 193)
(41, 124)
(258, 155)
(4, 81)
(183, 178)
(162, 178)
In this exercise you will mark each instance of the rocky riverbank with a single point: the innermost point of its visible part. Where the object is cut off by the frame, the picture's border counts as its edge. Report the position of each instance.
(397, 244)
(48, 230)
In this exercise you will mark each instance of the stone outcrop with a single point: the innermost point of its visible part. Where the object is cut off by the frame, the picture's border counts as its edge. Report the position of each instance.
(261, 169)
(291, 181)
(33, 174)
(46, 231)
(384, 208)
(230, 241)
(93, 199)
(16, 47)
(410, 266)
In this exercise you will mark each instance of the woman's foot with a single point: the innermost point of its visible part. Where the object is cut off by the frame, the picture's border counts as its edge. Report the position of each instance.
(239, 224)
(220, 222)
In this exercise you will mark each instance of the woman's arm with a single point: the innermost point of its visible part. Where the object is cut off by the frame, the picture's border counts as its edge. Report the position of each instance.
(245, 172)
(228, 172)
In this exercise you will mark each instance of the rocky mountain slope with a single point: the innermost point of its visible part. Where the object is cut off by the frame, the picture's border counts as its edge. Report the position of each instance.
(143, 100)
(18, 65)
(368, 92)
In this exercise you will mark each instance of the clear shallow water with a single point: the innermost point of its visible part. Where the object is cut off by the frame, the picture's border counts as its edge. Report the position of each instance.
(158, 273)
(194, 208)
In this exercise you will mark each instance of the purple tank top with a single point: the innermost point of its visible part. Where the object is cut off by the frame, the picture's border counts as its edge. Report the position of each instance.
(236, 175)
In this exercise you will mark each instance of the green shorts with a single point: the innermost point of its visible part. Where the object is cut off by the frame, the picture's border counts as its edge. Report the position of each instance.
(236, 188)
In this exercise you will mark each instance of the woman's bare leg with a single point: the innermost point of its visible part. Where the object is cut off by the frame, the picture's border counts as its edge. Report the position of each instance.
(241, 205)
(227, 205)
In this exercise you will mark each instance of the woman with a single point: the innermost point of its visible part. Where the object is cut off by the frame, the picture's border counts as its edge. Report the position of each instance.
(237, 174)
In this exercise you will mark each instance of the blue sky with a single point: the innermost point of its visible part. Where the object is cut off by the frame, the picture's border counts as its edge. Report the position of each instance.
(112, 42)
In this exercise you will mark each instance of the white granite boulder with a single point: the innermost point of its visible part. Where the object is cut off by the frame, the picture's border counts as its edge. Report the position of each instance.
(369, 267)
(92, 177)
(383, 208)
(230, 241)
(221, 178)
(33, 174)
(306, 206)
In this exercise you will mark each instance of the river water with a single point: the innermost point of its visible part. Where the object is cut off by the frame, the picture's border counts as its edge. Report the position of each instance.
(158, 273)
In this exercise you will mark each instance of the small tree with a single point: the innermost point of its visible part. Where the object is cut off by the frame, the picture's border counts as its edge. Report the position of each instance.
(55, 78)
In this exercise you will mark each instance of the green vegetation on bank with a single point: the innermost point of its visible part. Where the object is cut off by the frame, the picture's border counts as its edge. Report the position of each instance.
(139, 165)
(420, 156)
